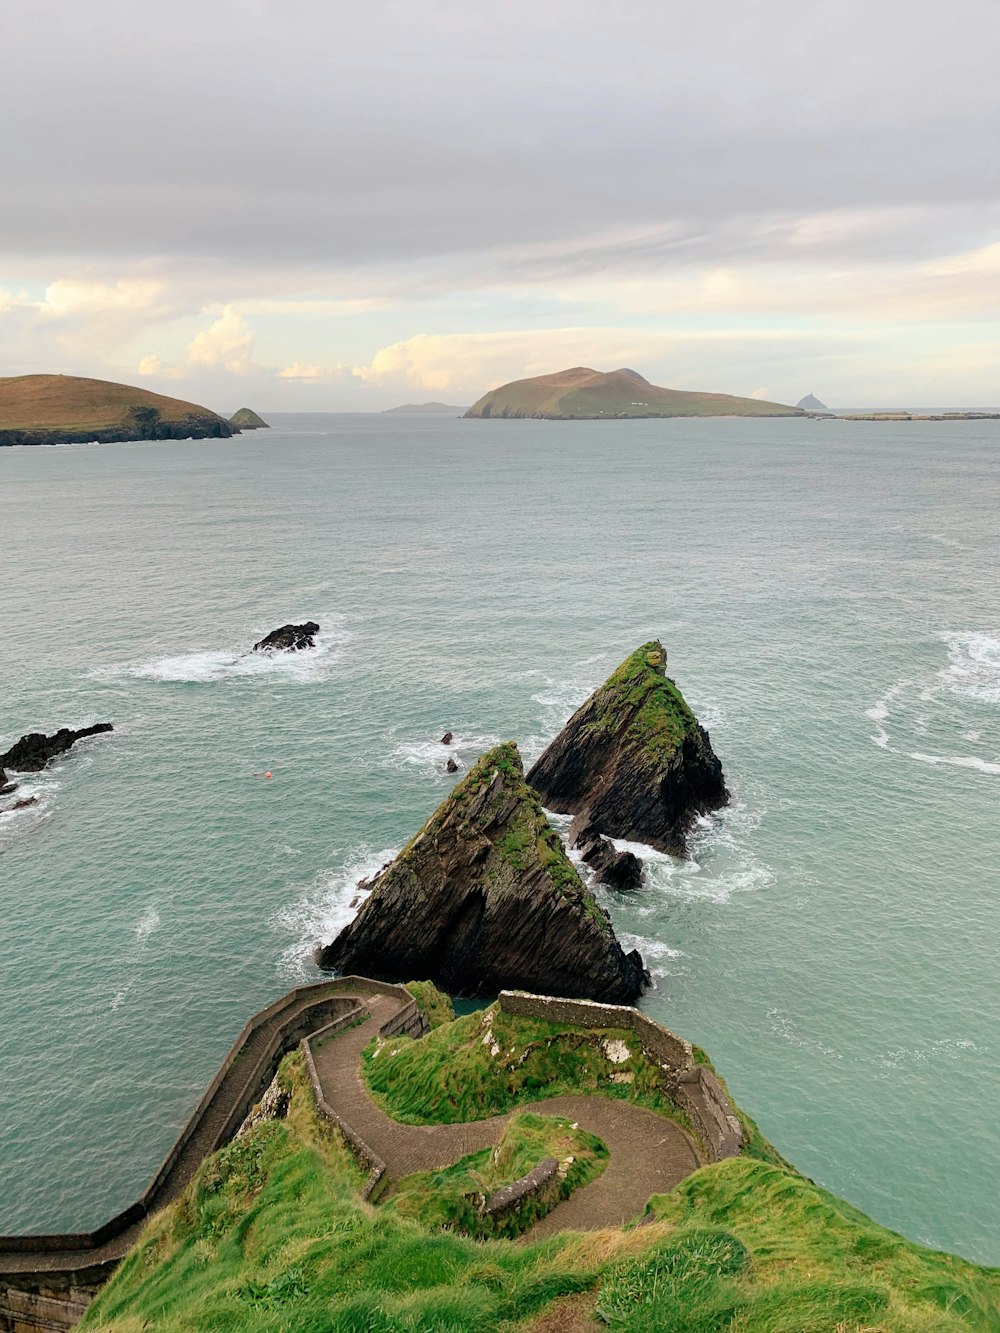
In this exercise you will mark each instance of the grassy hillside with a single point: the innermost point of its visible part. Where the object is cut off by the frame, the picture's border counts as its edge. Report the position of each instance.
(272, 1236)
(34, 402)
(582, 393)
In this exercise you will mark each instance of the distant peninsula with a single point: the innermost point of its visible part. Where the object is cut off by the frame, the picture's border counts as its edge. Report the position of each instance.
(582, 394)
(247, 419)
(411, 409)
(67, 409)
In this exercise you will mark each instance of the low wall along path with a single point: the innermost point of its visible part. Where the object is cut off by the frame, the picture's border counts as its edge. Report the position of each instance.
(46, 1282)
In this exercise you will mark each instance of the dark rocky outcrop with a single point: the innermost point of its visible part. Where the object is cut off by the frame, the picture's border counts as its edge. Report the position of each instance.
(447, 738)
(483, 899)
(634, 759)
(288, 638)
(32, 752)
(6, 786)
(451, 766)
(619, 870)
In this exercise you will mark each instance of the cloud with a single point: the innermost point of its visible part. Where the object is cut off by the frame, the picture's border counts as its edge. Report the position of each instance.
(69, 297)
(227, 343)
(297, 371)
(760, 393)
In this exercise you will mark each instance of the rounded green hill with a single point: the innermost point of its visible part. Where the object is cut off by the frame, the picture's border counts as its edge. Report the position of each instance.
(585, 394)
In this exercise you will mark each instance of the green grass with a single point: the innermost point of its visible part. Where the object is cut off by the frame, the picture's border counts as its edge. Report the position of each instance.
(271, 1237)
(452, 1074)
(434, 1004)
(73, 403)
(451, 1197)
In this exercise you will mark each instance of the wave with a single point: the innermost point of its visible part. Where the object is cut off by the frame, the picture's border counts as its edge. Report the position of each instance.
(208, 665)
(429, 758)
(324, 909)
(957, 761)
(974, 666)
(147, 924)
(945, 706)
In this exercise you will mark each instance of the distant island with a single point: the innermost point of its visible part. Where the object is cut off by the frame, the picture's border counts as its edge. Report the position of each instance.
(66, 409)
(810, 403)
(247, 419)
(584, 394)
(411, 409)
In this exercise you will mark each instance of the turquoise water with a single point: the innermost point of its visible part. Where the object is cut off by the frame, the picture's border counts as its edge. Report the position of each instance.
(828, 597)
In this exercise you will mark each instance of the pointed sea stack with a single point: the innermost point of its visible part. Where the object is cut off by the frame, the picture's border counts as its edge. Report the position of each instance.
(484, 899)
(634, 759)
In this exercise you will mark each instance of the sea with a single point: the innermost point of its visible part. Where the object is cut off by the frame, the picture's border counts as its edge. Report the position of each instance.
(827, 594)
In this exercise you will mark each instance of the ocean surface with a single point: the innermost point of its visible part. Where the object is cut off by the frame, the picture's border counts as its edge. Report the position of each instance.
(828, 596)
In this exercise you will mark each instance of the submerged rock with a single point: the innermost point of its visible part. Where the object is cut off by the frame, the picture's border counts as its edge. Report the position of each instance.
(32, 752)
(288, 638)
(634, 759)
(484, 899)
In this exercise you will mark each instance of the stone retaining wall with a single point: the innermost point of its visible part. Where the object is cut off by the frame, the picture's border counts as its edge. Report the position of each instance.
(542, 1183)
(691, 1087)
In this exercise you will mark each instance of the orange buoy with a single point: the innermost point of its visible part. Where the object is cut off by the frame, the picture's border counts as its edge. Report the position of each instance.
(267, 775)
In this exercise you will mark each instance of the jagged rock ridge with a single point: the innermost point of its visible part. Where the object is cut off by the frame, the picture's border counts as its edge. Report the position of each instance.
(288, 638)
(32, 752)
(634, 759)
(484, 899)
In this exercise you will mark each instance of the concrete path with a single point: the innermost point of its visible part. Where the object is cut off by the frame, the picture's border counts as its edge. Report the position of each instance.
(649, 1154)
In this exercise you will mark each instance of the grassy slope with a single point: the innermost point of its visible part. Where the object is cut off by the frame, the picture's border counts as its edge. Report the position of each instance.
(664, 718)
(66, 402)
(582, 392)
(272, 1236)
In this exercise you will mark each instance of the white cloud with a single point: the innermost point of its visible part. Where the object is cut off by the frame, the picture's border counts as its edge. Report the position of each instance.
(760, 393)
(298, 371)
(227, 343)
(70, 296)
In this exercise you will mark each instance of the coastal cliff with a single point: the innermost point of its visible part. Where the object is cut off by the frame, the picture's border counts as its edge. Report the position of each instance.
(69, 409)
(484, 898)
(633, 759)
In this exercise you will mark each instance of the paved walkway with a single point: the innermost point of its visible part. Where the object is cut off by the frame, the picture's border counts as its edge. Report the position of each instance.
(649, 1154)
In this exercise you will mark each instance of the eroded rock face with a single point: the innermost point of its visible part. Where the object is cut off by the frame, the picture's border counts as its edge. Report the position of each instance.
(32, 752)
(634, 759)
(619, 870)
(288, 638)
(483, 899)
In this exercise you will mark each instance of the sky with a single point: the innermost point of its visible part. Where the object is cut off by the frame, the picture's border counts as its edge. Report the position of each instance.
(341, 205)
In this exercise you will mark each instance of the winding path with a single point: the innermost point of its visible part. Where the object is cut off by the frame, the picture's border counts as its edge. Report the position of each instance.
(648, 1154)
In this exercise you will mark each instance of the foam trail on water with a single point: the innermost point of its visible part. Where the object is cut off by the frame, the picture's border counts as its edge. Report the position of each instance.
(147, 924)
(324, 909)
(974, 666)
(957, 761)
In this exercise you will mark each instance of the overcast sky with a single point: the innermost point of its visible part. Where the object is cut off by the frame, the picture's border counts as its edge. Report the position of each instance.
(323, 204)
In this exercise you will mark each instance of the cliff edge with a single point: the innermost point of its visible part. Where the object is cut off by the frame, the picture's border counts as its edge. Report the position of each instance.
(484, 899)
(634, 759)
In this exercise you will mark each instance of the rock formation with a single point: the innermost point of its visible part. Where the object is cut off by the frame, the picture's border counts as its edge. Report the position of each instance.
(288, 638)
(451, 766)
(6, 787)
(447, 738)
(32, 752)
(619, 870)
(483, 899)
(634, 759)
(247, 419)
(810, 403)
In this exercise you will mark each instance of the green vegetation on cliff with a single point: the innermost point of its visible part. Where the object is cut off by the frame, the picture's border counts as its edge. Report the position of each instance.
(272, 1237)
(54, 409)
(582, 393)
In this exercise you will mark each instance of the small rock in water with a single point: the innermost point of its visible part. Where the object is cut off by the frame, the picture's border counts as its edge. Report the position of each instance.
(451, 766)
(6, 787)
(288, 638)
(23, 803)
(447, 738)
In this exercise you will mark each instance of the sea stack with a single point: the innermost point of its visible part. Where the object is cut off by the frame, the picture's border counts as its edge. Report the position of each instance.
(485, 899)
(633, 762)
(288, 638)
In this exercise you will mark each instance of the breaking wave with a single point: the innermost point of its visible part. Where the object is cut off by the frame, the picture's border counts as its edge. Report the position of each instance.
(324, 909)
(429, 758)
(207, 665)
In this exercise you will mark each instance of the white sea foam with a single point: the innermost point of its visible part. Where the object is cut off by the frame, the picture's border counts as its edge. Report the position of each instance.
(131, 958)
(957, 761)
(324, 909)
(974, 666)
(14, 824)
(783, 1026)
(429, 758)
(148, 922)
(944, 1048)
(207, 665)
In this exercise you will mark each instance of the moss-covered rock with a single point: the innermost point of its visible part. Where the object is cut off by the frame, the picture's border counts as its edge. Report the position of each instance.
(247, 419)
(634, 759)
(484, 898)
